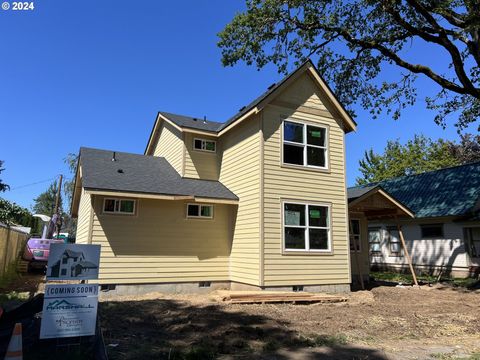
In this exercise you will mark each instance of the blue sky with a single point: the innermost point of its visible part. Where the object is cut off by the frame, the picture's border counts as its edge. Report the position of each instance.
(95, 73)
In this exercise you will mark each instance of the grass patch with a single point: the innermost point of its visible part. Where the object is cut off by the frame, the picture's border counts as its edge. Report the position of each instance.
(13, 296)
(408, 279)
(324, 340)
(10, 276)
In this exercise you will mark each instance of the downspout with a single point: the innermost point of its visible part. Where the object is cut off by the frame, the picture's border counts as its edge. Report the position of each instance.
(262, 215)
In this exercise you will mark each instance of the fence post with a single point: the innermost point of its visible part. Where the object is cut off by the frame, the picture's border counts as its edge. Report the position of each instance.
(5, 257)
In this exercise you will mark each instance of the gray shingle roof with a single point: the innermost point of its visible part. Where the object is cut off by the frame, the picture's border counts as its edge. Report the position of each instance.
(453, 191)
(192, 123)
(355, 192)
(143, 174)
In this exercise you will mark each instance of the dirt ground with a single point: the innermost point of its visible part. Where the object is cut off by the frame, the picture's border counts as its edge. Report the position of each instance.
(437, 322)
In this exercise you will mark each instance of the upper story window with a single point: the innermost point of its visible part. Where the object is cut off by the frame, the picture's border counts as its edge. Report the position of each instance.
(204, 145)
(432, 231)
(199, 211)
(305, 145)
(306, 227)
(118, 206)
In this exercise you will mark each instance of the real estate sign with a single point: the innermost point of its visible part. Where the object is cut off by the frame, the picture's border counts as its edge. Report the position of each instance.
(73, 262)
(69, 310)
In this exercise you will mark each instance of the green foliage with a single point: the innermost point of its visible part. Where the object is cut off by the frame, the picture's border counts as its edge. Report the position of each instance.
(416, 156)
(3, 186)
(71, 161)
(45, 202)
(355, 41)
(11, 213)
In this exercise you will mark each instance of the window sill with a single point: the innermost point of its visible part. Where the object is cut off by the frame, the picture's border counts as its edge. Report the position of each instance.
(307, 168)
(308, 253)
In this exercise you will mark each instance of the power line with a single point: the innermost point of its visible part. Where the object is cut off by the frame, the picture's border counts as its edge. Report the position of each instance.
(32, 184)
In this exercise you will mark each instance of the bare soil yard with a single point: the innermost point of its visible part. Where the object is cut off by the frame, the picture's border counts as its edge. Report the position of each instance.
(440, 322)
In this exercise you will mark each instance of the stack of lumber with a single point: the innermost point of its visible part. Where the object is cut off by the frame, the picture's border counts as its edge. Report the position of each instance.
(254, 297)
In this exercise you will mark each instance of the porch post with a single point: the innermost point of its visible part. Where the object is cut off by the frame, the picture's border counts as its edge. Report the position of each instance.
(407, 255)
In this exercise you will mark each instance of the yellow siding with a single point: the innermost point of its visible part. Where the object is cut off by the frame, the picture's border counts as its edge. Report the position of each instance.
(240, 172)
(83, 221)
(170, 146)
(282, 183)
(159, 244)
(200, 164)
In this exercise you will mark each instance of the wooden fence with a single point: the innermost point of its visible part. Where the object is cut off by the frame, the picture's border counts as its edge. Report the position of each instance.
(12, 243)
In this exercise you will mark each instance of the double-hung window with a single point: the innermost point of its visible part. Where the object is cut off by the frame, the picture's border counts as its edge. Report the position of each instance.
(204, 145)
(394, 241)
(119, 206)
(306, 227)
(355, 235)
(199, 211)
(374, 238)
(305, 145)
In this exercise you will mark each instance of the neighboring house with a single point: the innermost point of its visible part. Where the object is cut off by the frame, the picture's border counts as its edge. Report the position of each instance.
(258, 201)
(445, 233)
(71, 264)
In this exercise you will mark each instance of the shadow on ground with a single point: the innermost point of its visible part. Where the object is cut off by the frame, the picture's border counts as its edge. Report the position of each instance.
(170, 329)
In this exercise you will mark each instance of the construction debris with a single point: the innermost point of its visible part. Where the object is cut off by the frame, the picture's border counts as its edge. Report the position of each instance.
(256, 297)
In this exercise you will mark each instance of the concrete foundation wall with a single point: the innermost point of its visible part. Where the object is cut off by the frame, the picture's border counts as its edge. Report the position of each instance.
(194, 288)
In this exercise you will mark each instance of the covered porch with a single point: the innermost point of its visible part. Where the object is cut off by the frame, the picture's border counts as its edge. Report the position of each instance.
(372, 203)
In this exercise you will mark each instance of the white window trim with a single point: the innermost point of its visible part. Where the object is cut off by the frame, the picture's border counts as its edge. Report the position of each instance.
(359, 235)
(199, 211)
(379, 242)
(389, 242)
(305, 144)
(118, 212)
(204, 141)
(307, 227)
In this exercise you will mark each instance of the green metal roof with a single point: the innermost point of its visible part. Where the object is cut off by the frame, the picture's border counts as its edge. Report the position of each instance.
(453, 191)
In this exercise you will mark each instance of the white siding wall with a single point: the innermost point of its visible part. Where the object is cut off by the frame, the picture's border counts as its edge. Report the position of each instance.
(426, 253)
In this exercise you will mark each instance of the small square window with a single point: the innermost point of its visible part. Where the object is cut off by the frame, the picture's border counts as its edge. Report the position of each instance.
(109, 205)
(63, 272)
(193, 210)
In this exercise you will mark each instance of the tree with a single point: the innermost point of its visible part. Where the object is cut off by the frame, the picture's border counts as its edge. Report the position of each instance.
(11, 213)
(468, 150)
(3, 186)
(355, 41)
(71, 161)
(416, 156)
(45, 202)
(69, 223)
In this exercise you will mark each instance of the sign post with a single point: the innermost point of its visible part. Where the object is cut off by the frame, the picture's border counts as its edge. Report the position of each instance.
(70, 310)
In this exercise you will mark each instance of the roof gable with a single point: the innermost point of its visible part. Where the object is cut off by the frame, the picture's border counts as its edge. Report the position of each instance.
(213, 128)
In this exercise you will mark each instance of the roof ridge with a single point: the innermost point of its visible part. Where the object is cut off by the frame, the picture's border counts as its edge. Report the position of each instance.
(200, 118)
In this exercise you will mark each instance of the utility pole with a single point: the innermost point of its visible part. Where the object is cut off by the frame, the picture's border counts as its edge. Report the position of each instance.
(57, 199)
